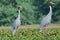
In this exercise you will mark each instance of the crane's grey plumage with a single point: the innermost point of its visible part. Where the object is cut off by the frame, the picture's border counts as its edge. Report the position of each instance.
(46, 20)
(16, 23)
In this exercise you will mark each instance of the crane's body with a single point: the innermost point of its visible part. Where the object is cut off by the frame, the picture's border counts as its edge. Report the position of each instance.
(16, 23)
(46, 20)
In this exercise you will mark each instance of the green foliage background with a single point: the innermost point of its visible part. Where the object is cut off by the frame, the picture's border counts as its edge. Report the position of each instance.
(32, 11)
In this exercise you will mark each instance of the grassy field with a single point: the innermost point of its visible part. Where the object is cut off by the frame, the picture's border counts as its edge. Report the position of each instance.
(31, 32)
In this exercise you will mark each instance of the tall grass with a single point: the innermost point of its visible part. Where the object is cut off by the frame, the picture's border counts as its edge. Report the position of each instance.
(30, 34)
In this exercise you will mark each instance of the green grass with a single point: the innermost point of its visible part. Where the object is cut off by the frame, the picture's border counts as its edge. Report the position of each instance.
(30, 34)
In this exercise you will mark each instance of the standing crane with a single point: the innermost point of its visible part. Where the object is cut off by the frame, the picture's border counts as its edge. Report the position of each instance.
(46, 20)
(16, 23)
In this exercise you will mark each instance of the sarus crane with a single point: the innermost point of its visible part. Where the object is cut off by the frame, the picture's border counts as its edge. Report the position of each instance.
(17, 22)
(47, 19)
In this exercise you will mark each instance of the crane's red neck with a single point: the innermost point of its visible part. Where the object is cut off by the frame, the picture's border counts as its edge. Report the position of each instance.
(18, 7)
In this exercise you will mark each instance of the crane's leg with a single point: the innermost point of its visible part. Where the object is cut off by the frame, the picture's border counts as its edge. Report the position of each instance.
(41, 29)
(14, 31)
(17, 33)
(45, 32)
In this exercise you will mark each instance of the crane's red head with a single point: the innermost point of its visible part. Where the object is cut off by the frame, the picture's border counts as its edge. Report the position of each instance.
(18, 7)
(50, 3)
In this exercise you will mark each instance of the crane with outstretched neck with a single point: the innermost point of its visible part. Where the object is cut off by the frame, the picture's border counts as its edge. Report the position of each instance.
(47, 19)
(16, 22)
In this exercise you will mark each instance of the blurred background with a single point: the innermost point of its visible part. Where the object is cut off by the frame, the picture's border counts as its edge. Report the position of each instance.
(32, 11)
